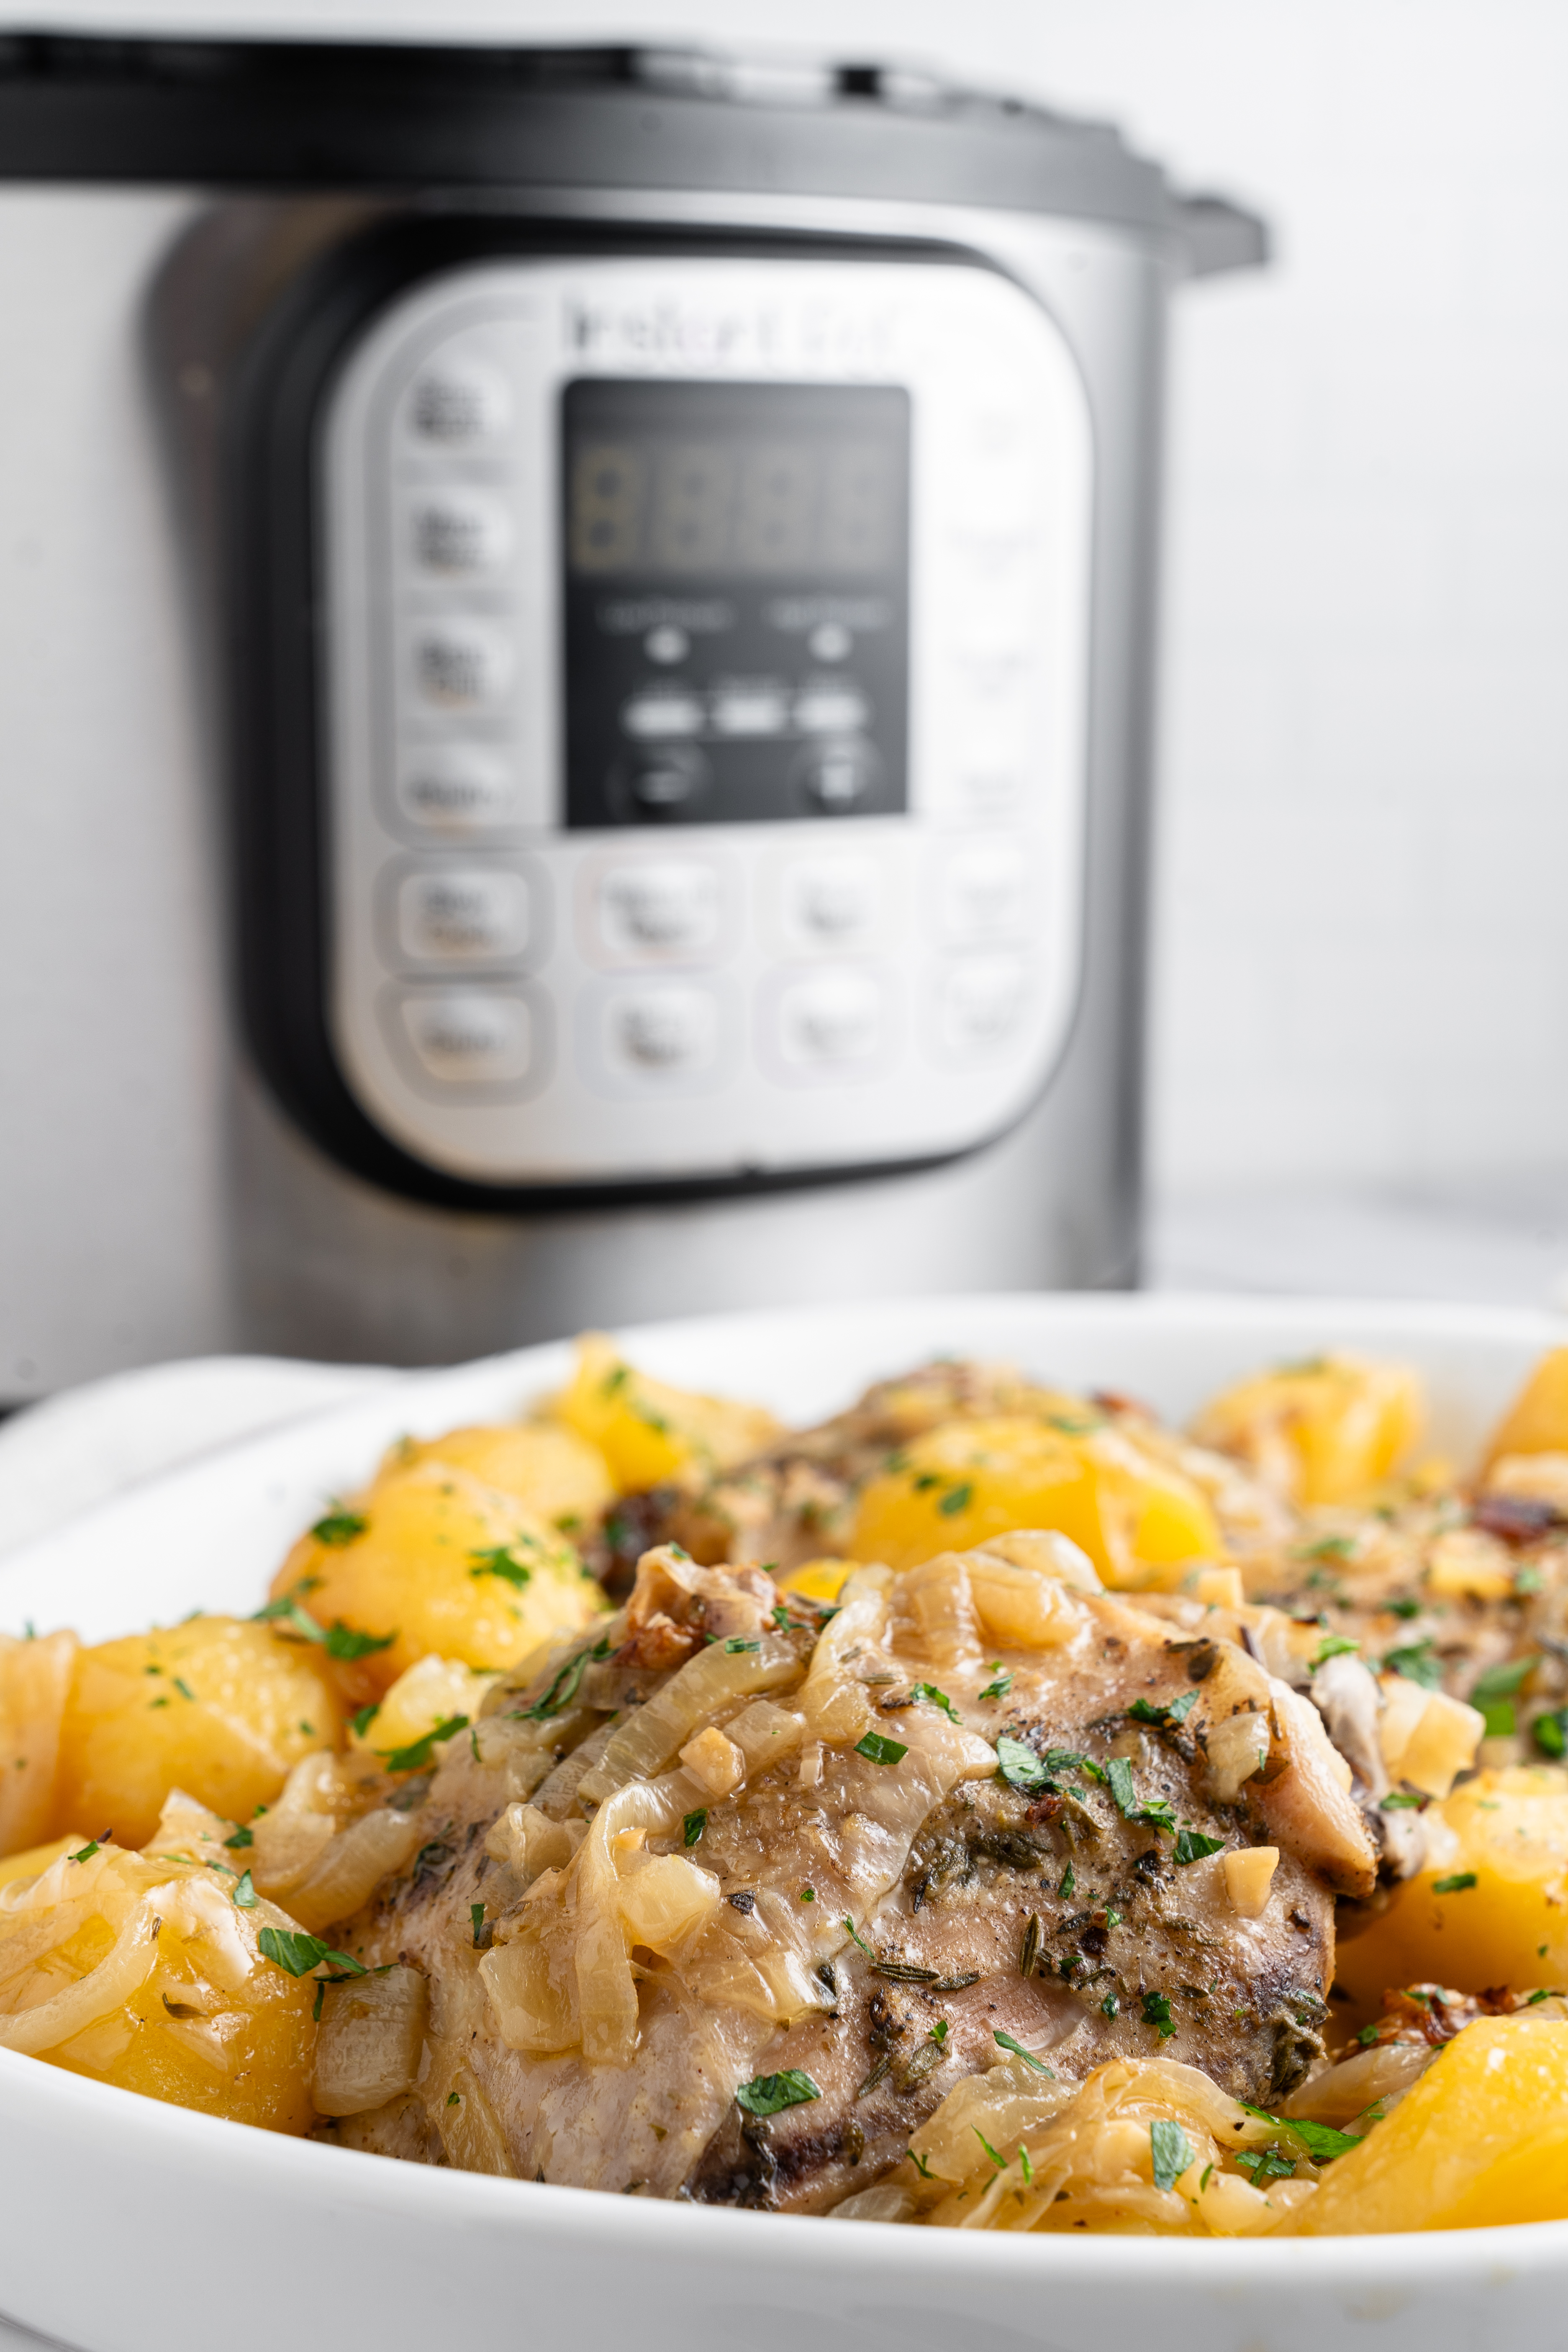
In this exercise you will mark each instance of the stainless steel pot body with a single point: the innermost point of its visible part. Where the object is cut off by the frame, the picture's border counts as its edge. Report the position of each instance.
(164, 1200)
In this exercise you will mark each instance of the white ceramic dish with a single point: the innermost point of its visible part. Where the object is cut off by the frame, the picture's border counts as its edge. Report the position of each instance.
(126, 2226)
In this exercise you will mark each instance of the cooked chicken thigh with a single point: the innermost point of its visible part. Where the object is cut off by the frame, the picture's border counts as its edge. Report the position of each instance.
(726, 1903)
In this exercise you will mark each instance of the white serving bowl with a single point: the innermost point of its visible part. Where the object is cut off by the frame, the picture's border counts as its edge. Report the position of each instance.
(127, 2226)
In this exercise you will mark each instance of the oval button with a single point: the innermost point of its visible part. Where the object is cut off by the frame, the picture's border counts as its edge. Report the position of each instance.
(470, 1036)
(462, 913)
(834, 1022)
(653, 1033)
(660, 907)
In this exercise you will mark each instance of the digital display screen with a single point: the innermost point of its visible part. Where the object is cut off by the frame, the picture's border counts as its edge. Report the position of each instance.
(736, 599)
(679, 482)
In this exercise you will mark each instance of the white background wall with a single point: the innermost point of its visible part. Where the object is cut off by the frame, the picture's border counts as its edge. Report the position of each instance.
(1361, 971)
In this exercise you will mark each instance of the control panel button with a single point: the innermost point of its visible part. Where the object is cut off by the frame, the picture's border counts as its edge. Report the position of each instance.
(830, 902)
(470, 1036)
(835, 778)
(469, 914)
(984, 1000)
(660, 907)
(456, 535)
(456, 403)
(660, 1031)
(669, 782)
(831, 705)
(749, 707)
(982, 890)
(662, 714)
(457, 788)
(835, 1021)
(459, 665)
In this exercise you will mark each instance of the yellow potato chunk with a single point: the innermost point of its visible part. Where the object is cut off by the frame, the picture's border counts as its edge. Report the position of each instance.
(445, 1565)
(1326, 1431)
(818, 1579)
(555, 1472)
(1537, 1421)
(1143, 1525)
(218, 1706)
(432, 1691)
(34, 1682)
(648, 1432)
(1481, 2139)
(1494, 1910)
(142, 1972)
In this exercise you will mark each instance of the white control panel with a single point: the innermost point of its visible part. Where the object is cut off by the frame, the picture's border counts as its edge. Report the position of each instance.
(705, 684)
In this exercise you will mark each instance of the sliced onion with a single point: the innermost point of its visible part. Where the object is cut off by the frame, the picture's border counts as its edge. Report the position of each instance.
(369, 2042)
(353, 1865)
(124, 1968)
(704, 1685)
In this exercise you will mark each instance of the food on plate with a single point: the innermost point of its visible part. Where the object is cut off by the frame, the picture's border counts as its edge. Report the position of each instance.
(431, 1562)
(219, 1708)
(151, 1970)
(990, 1808)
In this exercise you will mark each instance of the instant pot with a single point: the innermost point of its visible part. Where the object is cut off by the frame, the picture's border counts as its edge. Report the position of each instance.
(576, 691)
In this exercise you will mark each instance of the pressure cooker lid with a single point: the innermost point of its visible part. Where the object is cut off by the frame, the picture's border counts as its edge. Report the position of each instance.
(295, 114)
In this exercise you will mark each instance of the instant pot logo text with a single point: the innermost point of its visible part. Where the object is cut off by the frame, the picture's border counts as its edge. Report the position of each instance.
(670, 332)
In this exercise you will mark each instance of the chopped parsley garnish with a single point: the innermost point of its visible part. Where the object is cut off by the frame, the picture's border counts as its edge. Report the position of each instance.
(339, 1640)
(1404, 1801)
(1404, 1607)
(1328, 1547)
(999, 1686)
(1157, 2011)
(1320, 2141)
(239, 1841)
(1110, 2006)
(419, 1752)
(1069, 1881)
(362, 1717)
(856, 1937)
(1367, 2036)
(244, 1897)
(1147, 1710)
(562, 1691)
(1547, 1993)
(769, 2095)
(1191, 1846)
(934, 1697)
(1006, 2041)
(182, 1686)
(1494, 1693)
(477, 1921)
(1157, 1813)
(1262, 2165)
(736, 1644)
(1551, 1732)
(1171, 2151)
(694, 1824)
(1068, 1760)
(1459, 1883)
(290, 1949)
(781, 1617)
(1335, 1645)
(999, 2162)
(1018, 1764)
(878, 1749)
(502, 1561)
(956, 1499)
(1417, 1662)
(938, 2032)
(920, 2166)
(339, 1527)
(86, 1853)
